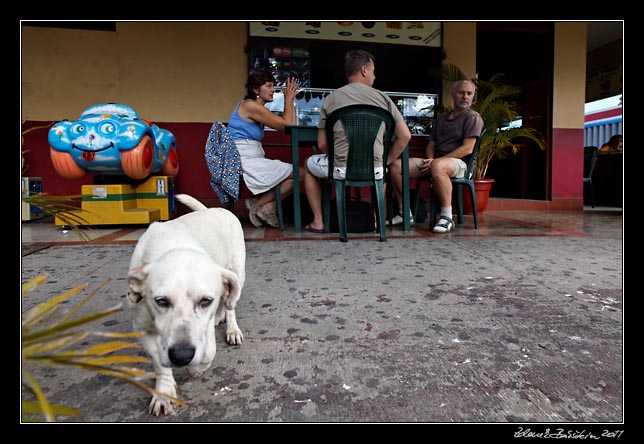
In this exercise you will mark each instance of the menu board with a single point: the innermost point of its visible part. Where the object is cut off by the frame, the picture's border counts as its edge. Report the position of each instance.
(405, 33)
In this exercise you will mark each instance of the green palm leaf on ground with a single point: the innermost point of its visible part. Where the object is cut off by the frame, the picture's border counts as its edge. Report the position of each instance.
(51, 342)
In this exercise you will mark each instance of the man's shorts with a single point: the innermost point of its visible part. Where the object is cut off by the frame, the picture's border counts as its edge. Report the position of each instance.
(461, 167)
(318, 165)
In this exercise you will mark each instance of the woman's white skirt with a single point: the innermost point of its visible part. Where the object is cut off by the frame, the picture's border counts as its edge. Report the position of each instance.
(260, 174)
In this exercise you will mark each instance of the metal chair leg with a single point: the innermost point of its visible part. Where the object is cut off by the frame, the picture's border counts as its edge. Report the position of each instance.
(342, 209)
(380, 210)
(474, 210)
(278, 203)
(417, 199)
(326, 205)
(230, 204)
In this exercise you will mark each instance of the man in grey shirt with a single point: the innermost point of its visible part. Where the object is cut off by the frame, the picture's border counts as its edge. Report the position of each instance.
(451, 143)
(359, 68)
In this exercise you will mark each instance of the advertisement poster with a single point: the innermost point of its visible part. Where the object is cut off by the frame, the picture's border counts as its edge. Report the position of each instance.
(405, 33)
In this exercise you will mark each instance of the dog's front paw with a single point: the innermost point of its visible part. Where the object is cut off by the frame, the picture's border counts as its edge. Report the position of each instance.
(164, 398)
(234, 337)
(160, 405)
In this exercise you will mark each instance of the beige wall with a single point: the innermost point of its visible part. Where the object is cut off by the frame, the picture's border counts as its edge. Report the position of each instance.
(569, 84)
(459, 46)
(166, 71)
(195, 71)
(64, 71)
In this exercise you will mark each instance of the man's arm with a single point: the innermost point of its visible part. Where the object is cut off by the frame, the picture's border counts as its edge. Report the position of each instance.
(403, 136)
(465, 149)
(322, 141)
(429, 149)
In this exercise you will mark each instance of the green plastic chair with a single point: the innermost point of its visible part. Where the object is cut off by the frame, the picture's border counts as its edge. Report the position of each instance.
(468, 180)
(361, 124)
(590, 158)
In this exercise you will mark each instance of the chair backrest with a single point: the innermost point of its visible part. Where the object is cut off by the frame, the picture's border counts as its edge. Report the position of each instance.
(224, 162)
(361, 124)
(590, 157)
(471, 163)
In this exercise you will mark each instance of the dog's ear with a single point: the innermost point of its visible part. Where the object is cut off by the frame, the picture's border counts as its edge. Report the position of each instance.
(231, 288)
(135, 280)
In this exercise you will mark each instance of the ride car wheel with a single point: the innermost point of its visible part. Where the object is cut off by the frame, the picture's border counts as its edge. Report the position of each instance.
(65, 165)
(171, 167)
(137, 162)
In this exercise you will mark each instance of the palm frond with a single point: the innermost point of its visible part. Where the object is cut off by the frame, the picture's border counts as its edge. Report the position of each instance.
(34, 408)
(62, 326)
(33, 284)
(53, 342)
(63, 208)
(78, 306)
(39, 312)
(42, 402)
(451, 73)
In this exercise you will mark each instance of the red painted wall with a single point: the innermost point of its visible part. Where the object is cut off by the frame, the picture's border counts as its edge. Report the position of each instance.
(194, 177)
(567, 163)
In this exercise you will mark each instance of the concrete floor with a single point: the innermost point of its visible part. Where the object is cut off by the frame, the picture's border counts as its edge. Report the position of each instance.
(520, 321)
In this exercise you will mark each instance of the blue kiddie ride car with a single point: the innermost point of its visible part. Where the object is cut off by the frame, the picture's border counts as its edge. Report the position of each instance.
(111, 139)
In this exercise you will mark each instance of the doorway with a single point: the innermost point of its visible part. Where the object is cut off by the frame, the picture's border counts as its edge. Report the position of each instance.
(523, 52)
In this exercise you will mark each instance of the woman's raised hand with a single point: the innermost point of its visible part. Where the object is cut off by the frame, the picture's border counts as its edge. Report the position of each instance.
(290, 87)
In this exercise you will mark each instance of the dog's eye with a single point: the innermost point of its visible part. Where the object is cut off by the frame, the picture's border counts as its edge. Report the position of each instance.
(205, 302)
(162, 301)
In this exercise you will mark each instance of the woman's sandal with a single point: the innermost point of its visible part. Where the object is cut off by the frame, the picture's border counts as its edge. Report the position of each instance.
(252, 212)
(270, 217)
(445, 225)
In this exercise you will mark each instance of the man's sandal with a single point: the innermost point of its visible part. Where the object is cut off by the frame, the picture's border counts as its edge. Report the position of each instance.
(444, 225)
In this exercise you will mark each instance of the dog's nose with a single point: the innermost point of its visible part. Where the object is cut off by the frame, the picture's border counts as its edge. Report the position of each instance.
(181, 355)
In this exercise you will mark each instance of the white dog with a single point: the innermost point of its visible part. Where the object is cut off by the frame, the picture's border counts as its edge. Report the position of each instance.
(180, 271)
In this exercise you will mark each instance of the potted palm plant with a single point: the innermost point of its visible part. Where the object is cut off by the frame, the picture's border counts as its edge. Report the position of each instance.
(495, 102)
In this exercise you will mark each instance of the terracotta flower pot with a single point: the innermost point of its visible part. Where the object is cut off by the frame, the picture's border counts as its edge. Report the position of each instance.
(482, 189)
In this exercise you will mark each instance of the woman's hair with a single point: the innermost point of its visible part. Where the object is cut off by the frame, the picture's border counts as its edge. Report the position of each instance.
(614, 140)
(255, 80)
(356, 59)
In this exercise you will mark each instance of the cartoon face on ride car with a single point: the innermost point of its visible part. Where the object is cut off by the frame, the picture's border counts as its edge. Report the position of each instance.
(111, 139)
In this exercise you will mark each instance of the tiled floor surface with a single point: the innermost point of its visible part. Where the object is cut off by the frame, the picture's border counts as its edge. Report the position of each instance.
(590, 222)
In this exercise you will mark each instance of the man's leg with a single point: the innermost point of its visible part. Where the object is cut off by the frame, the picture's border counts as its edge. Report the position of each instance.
(395, 169)
(315, 167)
(442, 170)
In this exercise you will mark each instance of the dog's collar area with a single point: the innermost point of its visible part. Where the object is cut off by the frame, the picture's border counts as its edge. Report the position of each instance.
(188, 249)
